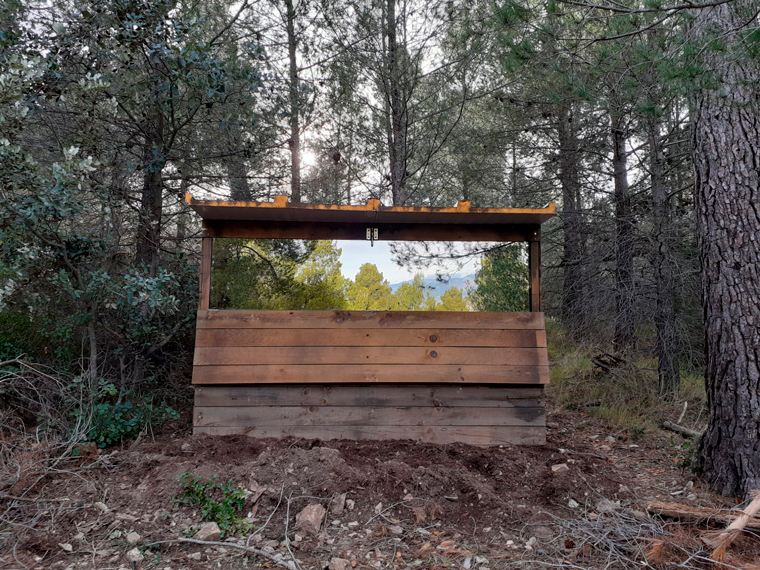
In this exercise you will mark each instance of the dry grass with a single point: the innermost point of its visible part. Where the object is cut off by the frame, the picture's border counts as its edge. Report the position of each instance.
(626, 397)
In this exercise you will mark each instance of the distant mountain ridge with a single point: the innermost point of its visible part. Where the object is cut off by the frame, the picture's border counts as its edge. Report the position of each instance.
(436, 288)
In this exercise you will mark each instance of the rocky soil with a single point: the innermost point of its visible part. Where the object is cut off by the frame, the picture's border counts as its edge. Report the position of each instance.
(577, 502)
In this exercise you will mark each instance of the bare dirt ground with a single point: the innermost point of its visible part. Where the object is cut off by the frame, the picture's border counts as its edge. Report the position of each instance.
(407, 505)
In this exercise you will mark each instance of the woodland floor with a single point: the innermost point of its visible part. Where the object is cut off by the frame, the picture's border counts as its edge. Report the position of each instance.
(414, 505)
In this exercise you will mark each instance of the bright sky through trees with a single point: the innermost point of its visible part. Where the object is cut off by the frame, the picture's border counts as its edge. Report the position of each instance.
(357, 253)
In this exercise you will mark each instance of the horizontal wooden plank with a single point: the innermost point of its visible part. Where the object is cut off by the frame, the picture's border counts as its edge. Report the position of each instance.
(474, 435)
(357, 231)
(370, 337)
(370, 395)
(223, 319)
(219, 356)
(363, 373)
(366, 416)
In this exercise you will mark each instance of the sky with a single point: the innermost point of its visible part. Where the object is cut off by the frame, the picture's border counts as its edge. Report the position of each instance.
(357, 253)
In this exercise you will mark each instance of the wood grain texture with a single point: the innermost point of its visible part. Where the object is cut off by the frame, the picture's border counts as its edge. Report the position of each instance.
(296, 355)
(534, 270)
(370, 395)
(216, 319)
(264, 416)
(204, 294)
(370, 337)
(358, 373)
(473, 435)
(357, 231)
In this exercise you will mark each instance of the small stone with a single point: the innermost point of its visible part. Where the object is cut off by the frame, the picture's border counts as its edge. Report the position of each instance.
(350, 504)
(339, 564)
(79, 536)
(594, 437)
(560, 468)
(135, 555)
(604, 448)
(310, 518)
(481, 560)
(691, 497)
(532, 541)
(186, 447)
(66, 546)
(102, 507)
(609, 438)
(573, 504)
(395, 529)
(133, 538)
(378, 508)
(353, 524)
(408, 497)
(337, 504)
(195, 556)
(209, 531)
(336, 522)
(298, 537)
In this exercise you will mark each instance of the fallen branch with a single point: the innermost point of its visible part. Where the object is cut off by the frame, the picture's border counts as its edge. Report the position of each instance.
(273, 558)
(721, 540)
(696, 514)
(688, 432)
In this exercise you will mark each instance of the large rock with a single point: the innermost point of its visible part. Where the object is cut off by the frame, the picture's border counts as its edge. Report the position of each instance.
(310, 519)
(209, 531)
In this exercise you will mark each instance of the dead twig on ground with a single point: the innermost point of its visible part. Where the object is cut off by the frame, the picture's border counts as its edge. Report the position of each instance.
(271, 557)
(688, 432)
(696, 514)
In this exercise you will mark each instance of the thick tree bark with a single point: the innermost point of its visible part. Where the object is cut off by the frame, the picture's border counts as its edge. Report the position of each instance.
(397, 107)
(668, 370)
(237, 174)
(148, 247)
(573, 291)
(625, 321)
(727, 159)
(152, 199)
(295, 110)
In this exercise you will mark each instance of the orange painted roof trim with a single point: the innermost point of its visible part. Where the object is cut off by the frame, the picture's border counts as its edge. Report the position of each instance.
(283, 210)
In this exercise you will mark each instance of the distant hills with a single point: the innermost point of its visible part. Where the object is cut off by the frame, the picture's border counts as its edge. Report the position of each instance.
(436, 288)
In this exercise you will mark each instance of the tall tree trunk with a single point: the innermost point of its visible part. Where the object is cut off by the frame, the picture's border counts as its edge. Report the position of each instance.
(727, 158)
(668, 370)
(397, 107)
(148, 247)
(625, 321)
(152, 199)
(237, 173)
(295, 110)
(573, 294)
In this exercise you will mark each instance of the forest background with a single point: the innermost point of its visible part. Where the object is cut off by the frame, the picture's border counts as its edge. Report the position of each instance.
(638, 118)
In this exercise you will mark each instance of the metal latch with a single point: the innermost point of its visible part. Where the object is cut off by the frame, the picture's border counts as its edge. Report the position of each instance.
(372, 235)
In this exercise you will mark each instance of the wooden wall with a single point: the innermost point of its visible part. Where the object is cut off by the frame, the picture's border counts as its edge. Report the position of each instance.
(432, 376)
(438, 413)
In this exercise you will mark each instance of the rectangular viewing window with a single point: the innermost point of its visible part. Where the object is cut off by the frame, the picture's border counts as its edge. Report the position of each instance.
(279, 274)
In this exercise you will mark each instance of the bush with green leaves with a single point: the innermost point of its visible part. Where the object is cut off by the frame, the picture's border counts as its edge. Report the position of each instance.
(219, 502)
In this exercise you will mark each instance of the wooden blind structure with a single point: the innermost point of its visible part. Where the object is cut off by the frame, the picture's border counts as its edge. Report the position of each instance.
(433, 376)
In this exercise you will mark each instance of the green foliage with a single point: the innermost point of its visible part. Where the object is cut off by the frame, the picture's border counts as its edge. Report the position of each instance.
(411, 296)
(453, 299)
(113, 419)
(219, 502)
(277, 275)
(502, 282)
(370, 291)
(685, 450)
